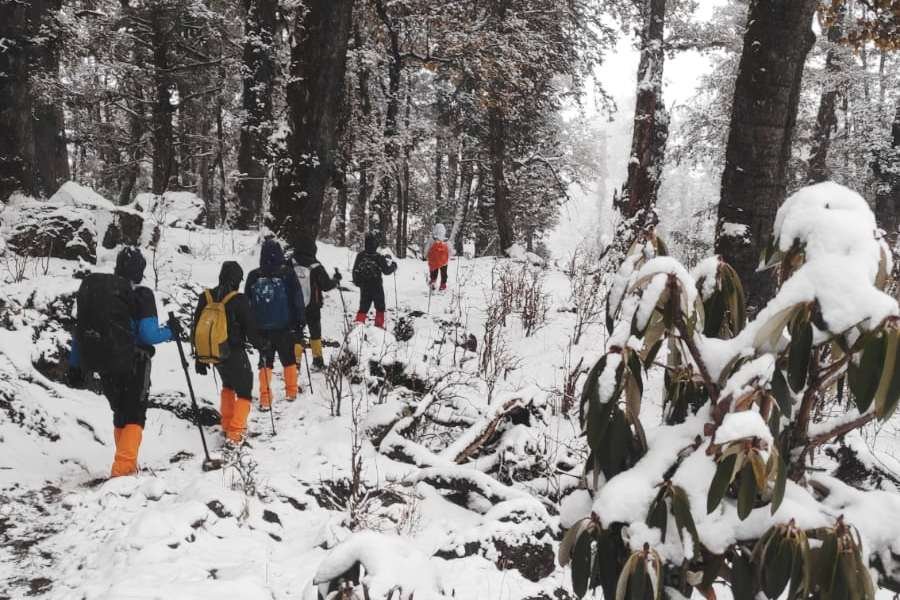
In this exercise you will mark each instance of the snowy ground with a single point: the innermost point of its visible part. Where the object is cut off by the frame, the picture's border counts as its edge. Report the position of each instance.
(176, 532)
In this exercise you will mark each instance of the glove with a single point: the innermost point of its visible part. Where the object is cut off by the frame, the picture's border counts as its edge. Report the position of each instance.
(337, 276)
(177, 329)
(75, 378)
(201, 368)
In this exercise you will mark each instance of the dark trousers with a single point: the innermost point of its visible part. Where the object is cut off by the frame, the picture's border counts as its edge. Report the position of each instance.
(236, 373)
(443, 271)
(369, 295)
(282, 342)
(128, 393)
(314, 321)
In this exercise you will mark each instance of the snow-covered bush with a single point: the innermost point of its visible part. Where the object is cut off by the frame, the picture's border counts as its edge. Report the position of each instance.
(722, 489)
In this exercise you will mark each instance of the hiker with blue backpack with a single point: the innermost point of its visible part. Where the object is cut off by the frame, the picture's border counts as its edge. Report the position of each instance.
(277, 301)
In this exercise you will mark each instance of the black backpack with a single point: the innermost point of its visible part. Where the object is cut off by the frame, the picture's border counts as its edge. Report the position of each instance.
(104, 327)
(366, 270)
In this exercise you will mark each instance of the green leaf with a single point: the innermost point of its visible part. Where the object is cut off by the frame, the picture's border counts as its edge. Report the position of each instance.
(681, 510)
(746, 491)
(888, 374)
(652, 352)
(780, 484)
(863, 379)
(776, 567)
(782, 394)
(796, 572)
(825, 563)
(598, 424)
(581, 565)
(737, 305)
(590, 390)
(567, 545)
(720, 483)
(638, 586)
(742, 577)
(714, 310)
(610, 553)
(658, 516)
(892, 395)
(799, 354)
(634, 365)
(619, 441)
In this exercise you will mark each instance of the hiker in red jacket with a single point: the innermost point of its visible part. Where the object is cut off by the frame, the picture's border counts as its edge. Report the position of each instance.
(438, 255)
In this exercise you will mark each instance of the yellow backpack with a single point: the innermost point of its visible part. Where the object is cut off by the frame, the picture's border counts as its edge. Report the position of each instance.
(211, 334)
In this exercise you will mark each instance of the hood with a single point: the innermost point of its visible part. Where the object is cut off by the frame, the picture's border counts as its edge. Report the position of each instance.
(130, 264)
(271, 256)
(230, 276)
(371, 243)
(305, 250)
(439, 232)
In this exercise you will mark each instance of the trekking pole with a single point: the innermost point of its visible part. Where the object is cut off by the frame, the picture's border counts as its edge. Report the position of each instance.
(396, 296)
(262, 365)
(209, 463)
(344, 305)
(308, 373)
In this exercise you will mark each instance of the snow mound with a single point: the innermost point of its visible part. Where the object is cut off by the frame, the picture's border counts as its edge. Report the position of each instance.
(181, 210)
(389, 563)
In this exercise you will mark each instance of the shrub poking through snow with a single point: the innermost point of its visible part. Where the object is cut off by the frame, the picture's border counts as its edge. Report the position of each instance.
(721, 490)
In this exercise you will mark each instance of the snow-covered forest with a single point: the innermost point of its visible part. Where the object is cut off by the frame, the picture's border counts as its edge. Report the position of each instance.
(636, 330)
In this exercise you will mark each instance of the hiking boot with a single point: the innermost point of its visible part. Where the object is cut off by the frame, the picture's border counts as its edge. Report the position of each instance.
(318, 363)
(128, 443)
(291, 387)
(443, 287)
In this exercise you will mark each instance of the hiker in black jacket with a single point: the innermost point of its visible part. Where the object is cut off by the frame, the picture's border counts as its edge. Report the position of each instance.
(277, 303)
(234, 368)
(128, 389)
(367, 271)
(314, 281)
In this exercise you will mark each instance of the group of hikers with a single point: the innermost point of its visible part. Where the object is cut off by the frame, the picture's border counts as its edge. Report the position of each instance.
(117, 327)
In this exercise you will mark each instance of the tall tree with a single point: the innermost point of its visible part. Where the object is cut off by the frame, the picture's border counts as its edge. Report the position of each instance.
(259, 69)
(826, 118)
(314, 95)
(33, 153)
(886, 168)
(766, 96)
(637, 203)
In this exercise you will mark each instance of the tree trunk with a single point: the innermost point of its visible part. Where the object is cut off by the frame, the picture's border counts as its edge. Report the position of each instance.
(497, 149)
(826, 118)
(163, 147)
(462, 201)
(314, 98)
(637, 203)
(764, 112)
(256, 101)
(390, 179)
(360, 212)
(887, 174)
(33, 153)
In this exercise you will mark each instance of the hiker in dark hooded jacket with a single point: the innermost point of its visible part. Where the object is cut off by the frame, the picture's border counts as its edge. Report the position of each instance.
(128, 391)
(234, 367)
(277, 303)
(367, 271)
(314, 281)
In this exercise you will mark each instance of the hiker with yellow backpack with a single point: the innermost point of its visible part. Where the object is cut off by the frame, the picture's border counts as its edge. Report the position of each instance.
(223, 325)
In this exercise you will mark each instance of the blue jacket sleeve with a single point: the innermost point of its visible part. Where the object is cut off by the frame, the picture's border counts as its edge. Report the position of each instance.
(74, 356)
(150, 333)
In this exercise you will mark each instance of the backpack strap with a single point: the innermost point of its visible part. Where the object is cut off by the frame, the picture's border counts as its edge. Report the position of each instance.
(209, 297)
(229, 296)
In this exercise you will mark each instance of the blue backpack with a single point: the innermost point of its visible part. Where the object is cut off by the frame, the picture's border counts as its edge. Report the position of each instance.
(269, 297)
